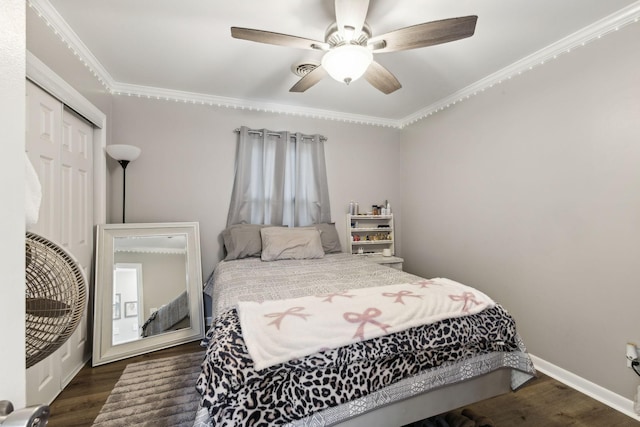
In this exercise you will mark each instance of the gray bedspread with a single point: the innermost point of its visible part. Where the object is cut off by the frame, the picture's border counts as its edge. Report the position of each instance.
(251, 279)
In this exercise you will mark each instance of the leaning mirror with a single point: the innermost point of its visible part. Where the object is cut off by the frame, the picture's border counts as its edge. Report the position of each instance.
(148, 292)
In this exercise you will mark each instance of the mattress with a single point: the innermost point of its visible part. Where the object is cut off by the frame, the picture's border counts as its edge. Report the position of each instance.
(333, 385)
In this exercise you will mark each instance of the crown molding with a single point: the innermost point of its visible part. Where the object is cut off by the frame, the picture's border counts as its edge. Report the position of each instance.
(125, 89)
(60, 28)
(593, 32)
(150, 250)
(38, 72)
(581, 38)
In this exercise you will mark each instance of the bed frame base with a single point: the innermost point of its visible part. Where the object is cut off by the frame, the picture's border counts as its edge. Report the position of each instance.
(435, 402)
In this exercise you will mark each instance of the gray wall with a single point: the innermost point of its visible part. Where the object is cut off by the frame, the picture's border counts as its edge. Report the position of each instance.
(531, 192)
(185, 171)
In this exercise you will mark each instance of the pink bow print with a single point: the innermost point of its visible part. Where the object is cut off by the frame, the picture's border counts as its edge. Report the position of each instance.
(425, 283)
(329, 297)
(293, 311)
(468, 298)
(364, 318)
(401, 294)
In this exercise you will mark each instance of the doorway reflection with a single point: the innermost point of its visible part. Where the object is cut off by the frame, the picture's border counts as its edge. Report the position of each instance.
(127, 295)
(149, 287)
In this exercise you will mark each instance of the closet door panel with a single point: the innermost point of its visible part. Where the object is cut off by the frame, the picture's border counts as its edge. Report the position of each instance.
(77, 159)
(60, 146)
(43, 135)
(77, 223)
(43, 139)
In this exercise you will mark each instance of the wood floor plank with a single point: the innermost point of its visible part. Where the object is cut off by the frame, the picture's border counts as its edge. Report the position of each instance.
(80, 402)
(545, 402)
(542, 402)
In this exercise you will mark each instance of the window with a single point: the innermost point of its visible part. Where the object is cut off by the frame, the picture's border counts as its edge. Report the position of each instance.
(280, 179)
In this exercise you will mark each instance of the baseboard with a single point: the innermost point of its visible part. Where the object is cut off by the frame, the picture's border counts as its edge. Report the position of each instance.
(76, 370)
(601, 394)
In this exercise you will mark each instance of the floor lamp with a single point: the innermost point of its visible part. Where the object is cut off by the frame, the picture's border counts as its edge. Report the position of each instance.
(123, 154)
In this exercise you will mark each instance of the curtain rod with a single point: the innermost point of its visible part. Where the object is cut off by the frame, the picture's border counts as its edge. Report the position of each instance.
(259, 132)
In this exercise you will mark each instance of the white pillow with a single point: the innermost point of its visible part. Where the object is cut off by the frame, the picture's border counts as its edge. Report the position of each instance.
(290, 243)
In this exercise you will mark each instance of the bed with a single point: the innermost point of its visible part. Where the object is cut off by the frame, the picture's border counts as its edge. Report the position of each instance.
(170, 317)
(389, 380)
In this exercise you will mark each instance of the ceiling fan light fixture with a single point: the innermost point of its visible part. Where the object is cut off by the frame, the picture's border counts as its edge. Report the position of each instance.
(347, 63)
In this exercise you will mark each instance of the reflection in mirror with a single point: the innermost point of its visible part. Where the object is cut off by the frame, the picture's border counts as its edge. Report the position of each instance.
(145, 309)
(127, 286)
(148, 289)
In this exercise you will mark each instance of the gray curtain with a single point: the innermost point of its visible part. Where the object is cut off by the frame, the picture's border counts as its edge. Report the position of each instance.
(280, 179)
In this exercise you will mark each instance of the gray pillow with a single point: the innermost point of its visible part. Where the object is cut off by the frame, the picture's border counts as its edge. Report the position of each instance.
(242, 241)
(329, 237)
(290, 243)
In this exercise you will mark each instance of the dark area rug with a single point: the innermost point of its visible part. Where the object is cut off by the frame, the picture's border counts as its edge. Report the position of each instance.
(156, 393)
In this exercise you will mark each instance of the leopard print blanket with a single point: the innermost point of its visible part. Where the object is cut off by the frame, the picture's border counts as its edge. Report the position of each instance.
(234, 393)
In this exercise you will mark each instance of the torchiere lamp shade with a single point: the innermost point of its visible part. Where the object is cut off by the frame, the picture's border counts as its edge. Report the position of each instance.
(123, 152)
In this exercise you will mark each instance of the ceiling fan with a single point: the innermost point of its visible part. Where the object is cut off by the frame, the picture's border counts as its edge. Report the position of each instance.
(349, 45)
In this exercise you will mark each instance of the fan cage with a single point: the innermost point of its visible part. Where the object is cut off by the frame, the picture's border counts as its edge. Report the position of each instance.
(55, 297)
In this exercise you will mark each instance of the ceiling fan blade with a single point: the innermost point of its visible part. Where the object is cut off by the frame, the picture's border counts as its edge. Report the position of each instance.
(268, 37)
(310, 79)
(427, 34)
(350, 17)
(381, 78)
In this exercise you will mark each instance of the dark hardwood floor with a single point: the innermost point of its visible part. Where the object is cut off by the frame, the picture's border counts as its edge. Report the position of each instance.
(80, 402)
(545, 402)
(542, 402)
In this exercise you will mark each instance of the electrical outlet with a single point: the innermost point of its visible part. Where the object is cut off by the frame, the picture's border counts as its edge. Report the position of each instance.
(632, 353)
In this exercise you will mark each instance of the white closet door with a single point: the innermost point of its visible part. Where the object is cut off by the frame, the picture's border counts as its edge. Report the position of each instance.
(76, 161)
(59, 145)
(44, 132)
(43, 140)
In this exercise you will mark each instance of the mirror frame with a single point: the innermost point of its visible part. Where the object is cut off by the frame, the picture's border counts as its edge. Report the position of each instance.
(103, 349)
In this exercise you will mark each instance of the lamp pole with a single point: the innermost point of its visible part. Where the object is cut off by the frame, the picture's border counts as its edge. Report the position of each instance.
(124, 164)
(123, 154)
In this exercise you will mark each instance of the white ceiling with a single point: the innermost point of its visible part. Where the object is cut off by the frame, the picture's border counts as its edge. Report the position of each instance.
(185, 48)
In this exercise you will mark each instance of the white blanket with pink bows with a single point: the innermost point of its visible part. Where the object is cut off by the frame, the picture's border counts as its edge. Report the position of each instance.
(276, 331)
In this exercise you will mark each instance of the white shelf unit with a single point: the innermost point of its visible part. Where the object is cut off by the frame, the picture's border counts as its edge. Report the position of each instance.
(370, 234)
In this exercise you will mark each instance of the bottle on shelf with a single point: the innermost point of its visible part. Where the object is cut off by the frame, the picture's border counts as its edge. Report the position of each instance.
(385, 208)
